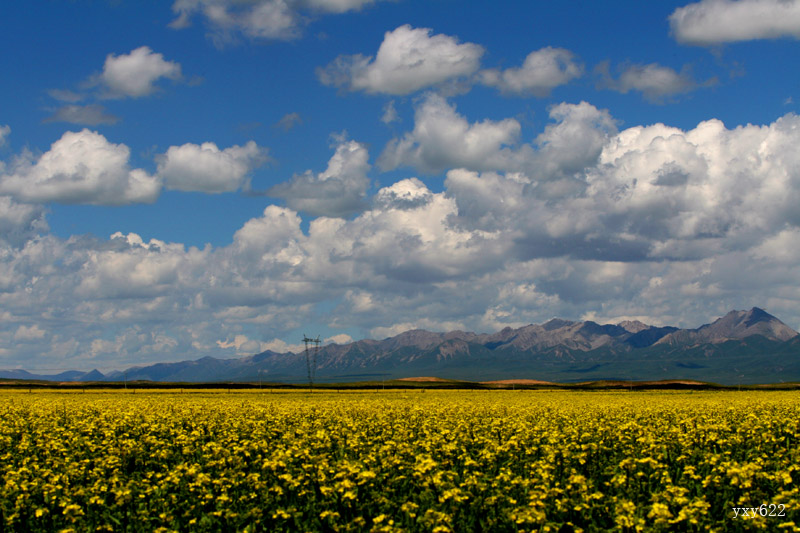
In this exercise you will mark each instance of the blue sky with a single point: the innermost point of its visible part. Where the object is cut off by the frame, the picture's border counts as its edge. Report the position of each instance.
(219, 177)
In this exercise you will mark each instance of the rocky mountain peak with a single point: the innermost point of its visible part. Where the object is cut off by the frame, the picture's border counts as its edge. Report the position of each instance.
(741, 324)
(735, 325)
(556, 323)
(633, 326)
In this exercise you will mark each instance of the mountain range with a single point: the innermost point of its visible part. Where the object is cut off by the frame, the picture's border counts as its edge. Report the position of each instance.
(743, 347)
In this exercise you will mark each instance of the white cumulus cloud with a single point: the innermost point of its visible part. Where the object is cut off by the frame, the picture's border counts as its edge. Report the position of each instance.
(571, 143)
(276, 231)
(409, 59)
(267, 19)
(703, 191)
(29, 333)
(443, 139)
(206, 168)
(246, 346)
(135, 268)
(135, 74)
(541, 72)
(712, 22)
(340, 190)
(258, 19)
(406, 194)
(341, 338)
(81, 167)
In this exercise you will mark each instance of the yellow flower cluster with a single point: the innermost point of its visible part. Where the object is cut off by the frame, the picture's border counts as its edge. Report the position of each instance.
(398, 461)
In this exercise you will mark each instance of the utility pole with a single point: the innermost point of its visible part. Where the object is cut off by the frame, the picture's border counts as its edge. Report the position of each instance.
(312, 368)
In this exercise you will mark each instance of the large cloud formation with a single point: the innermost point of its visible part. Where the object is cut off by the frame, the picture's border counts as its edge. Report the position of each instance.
(442, 139)
(651, 222)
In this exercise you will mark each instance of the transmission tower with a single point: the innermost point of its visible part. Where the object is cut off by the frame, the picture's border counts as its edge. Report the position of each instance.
(311, 359)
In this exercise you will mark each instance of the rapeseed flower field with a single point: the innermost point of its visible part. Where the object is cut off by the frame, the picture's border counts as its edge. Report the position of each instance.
(399, 461)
